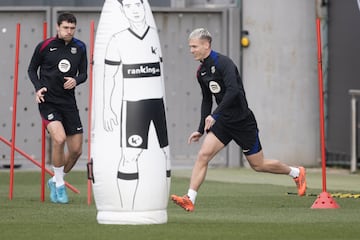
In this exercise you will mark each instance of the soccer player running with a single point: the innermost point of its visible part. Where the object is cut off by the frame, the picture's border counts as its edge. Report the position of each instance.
(232, 119)
(63, 65)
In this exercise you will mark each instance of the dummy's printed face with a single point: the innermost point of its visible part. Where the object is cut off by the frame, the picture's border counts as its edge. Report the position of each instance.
(134, 10)
(66, 31)
(199, 48)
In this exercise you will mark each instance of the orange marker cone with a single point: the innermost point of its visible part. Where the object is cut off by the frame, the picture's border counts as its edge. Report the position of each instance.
(325, 200)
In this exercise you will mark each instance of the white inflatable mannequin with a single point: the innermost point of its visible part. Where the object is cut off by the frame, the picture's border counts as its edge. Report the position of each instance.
(130, 152)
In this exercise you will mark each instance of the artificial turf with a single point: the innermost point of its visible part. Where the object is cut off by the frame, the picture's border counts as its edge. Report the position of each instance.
(225, 209)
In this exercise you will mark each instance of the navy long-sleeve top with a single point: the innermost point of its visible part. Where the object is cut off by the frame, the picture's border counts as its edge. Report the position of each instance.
(57, 60)
(218, 76)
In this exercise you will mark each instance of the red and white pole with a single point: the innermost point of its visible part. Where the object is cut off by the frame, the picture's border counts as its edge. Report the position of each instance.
(43, 139)
(38, 164)
(92, 33)
(13, 129)
(324, 200)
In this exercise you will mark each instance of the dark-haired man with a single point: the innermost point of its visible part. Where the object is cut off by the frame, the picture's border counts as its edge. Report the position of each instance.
(62, 61)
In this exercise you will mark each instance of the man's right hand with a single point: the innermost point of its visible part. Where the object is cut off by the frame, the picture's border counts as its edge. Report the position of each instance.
(194, 137)
(40, 95)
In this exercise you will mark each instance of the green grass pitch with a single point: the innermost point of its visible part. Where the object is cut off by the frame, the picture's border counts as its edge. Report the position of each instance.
(232, 204)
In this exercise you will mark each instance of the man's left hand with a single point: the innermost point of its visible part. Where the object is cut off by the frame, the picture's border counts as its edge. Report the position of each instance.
(70, 83)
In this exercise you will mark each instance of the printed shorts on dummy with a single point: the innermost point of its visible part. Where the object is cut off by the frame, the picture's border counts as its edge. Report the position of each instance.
(139, 115)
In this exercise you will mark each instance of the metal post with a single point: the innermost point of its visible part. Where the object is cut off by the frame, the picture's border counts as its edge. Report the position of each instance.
(353, 135)
(353, 160)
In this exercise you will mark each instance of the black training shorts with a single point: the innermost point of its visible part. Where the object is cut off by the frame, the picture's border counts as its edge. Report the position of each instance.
(244, 132)
(69, 117)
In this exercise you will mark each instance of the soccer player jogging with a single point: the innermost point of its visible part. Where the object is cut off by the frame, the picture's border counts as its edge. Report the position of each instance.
(232, 119)
(62, 62)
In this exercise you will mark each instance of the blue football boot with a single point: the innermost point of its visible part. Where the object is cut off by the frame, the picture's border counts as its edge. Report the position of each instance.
(52, 188)
(61, 194)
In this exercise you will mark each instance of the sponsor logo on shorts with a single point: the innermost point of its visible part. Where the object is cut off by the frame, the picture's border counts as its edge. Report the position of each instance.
(141, 70)
(214, 87)
(50, 116)
(135, 140)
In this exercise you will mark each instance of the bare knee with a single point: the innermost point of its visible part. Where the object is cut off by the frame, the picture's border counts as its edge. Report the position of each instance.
(257, 162)
(75, 153)
(204, 157)
(58, 140)
(78, 153)
(270, 166)
(258, 167)
(74, 148)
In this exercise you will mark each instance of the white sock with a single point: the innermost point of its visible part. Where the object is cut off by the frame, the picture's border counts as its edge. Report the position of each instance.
(192, 195)
(59, 176)
(294, 172)
(54, 179)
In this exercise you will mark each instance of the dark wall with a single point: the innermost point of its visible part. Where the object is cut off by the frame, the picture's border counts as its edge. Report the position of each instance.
(344, 74)
(88, 3)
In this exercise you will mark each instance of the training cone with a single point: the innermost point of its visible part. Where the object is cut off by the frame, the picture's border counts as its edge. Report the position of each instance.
(325, 200)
